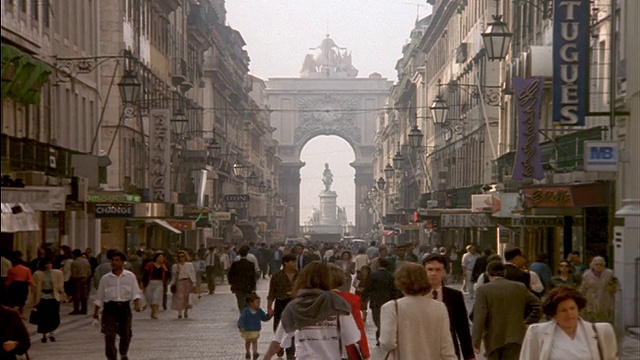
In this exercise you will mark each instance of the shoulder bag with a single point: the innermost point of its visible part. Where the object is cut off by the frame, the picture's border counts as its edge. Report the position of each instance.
(595, 330)
(397, 349)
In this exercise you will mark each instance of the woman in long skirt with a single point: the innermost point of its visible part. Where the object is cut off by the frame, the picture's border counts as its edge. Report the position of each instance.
(154, 277)
(183, 281)
(49, 291)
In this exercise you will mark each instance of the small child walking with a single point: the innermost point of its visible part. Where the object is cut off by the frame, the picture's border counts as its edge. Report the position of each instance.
(250, 324)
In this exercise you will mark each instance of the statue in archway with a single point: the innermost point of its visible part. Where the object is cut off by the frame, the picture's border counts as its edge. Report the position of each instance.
(327, 177)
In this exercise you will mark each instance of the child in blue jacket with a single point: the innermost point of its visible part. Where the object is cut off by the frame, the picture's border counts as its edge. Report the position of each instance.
(250, 324)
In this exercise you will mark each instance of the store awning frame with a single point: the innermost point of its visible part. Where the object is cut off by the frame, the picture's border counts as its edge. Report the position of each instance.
(17, 217)
(165, 225)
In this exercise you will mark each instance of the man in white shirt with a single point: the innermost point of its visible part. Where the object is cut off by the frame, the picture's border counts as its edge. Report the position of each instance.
(115, 292)
(361, 259)
(468, 262)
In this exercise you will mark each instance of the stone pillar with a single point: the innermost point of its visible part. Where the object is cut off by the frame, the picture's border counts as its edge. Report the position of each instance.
(627, 262)
(290, 188)
(364, 182)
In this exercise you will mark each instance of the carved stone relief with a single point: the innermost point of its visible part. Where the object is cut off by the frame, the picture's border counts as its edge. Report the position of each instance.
(327, 115)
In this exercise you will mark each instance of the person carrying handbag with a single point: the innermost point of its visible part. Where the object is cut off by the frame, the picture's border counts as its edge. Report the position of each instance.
(415, 326)
(183, 283)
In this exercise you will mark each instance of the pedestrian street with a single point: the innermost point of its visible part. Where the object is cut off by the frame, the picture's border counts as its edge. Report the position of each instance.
(210, 332)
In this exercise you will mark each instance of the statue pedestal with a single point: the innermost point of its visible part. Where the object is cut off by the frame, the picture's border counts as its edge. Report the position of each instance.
(328, 208)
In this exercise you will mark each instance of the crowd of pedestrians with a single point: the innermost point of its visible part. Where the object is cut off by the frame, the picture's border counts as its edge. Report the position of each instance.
(319, 298)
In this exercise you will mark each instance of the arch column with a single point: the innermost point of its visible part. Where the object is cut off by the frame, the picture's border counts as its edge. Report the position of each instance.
(363, 181)
(289, 186)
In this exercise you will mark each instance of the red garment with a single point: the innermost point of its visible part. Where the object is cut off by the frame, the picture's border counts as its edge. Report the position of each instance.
(354, 301)
(19, 273)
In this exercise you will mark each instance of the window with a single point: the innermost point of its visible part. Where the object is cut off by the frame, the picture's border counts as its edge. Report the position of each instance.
(34, 9)
(22, 4)
(45, 13)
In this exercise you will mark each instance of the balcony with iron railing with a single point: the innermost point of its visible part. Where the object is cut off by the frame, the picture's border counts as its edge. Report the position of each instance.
(22, 154)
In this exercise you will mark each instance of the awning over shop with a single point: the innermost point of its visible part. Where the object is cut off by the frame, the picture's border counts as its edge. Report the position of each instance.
(18, 217)
(166, 225)
(22, 75)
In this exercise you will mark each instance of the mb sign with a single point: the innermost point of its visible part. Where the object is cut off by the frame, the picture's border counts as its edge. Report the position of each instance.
(601, 155)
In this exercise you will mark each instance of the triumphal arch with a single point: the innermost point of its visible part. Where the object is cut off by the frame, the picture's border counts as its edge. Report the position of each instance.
(327, 99)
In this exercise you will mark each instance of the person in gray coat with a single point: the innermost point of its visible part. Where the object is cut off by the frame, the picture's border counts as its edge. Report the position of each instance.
(500, 314)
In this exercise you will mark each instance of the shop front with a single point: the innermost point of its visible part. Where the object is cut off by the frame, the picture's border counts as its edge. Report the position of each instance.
(565, 218)
(30, 217)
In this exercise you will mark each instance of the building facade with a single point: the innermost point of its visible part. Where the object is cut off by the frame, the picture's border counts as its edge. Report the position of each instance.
(50, 120)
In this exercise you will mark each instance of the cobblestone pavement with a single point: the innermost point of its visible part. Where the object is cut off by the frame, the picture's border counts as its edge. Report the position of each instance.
(209, 333)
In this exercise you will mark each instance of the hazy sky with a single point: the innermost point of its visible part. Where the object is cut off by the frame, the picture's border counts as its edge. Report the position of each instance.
(279, 34)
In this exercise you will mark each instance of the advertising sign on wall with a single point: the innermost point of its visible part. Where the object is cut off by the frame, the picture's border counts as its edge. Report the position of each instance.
(601, 155)
(528, 162)
(160, 155)
(570, 61)
(113, 210)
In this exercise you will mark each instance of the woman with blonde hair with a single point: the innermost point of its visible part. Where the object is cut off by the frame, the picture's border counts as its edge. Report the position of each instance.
(415, 326)
(183, 281)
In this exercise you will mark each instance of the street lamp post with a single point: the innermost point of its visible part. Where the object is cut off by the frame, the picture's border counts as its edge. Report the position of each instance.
(497, 37)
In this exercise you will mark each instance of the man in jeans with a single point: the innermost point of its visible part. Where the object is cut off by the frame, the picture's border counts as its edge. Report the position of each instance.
(80, 272)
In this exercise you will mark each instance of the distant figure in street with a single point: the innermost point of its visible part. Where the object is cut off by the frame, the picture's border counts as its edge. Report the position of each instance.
(468, 262)
(514, 260)
(47, 295)
(103, 269)
(242, 277)
(80, 272)
(500, 314)
(453, 299)
(360, 283)
(18, 282)
(154, 278)
(565, 276)
(372, 251)
(574, 259)
(349, 269)
(211, 261)
(337, 279)
(183, 281)
(14, 336)
(264, 259)
(361, 259)
(541, 267)
(599, 286)
(380, 289)
(276, 259)
(281, 293)
(115, 292)
(250, 324)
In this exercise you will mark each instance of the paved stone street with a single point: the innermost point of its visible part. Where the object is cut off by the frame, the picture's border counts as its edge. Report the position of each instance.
(209, 333)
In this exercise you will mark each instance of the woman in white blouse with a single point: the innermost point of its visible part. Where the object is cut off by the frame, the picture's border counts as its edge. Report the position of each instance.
(183, 283)
(567, 336)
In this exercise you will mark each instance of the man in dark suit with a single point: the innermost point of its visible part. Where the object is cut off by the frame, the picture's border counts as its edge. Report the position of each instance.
(302, 259)
(380, 289)
(514, 261)
(501, 310)
(481, 265)
(435, 265)
(242, 278)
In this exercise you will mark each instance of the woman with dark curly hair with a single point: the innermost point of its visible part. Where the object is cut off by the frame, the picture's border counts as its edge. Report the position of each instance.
(567, 336)
(415, 326)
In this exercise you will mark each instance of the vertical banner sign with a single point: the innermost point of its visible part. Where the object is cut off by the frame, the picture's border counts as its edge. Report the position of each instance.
(160, 155)
(528, 163)
(570, 61)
